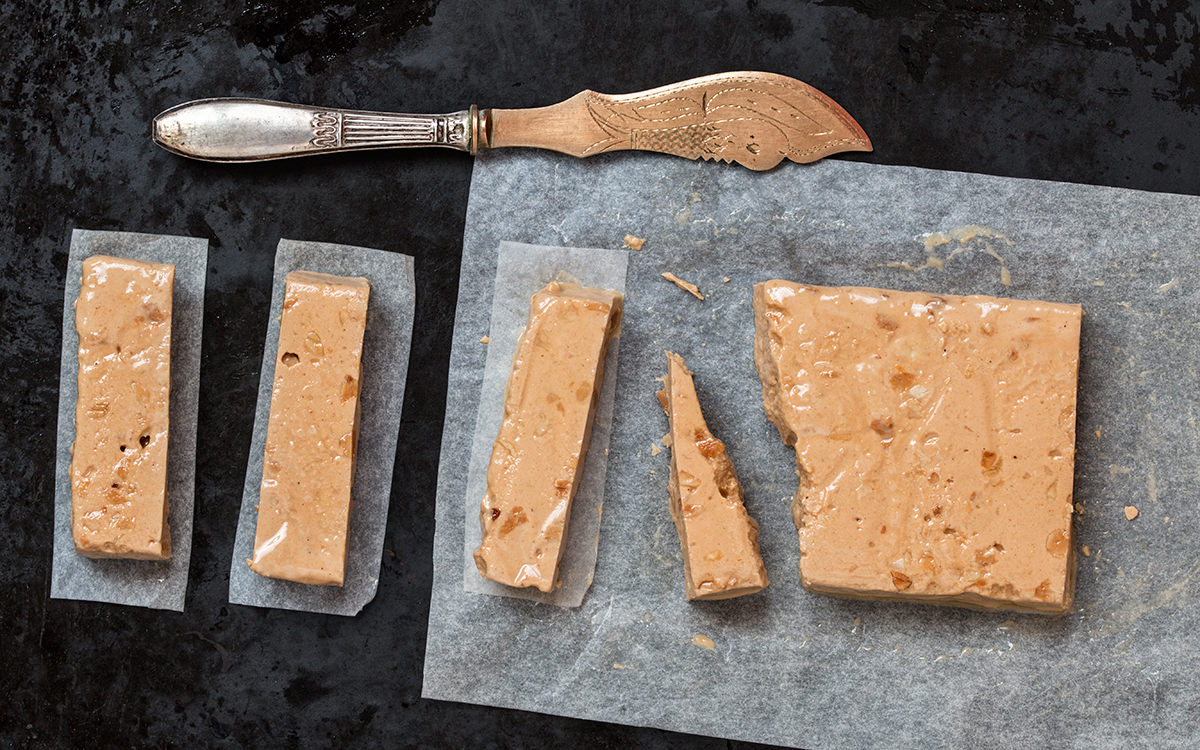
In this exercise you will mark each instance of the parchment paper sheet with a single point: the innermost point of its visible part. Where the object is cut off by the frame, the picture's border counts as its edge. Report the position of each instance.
(520, 272)
(796, 668)
(386, 346)
(161, 585)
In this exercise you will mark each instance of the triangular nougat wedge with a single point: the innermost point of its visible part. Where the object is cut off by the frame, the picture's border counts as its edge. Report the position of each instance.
(718, 537)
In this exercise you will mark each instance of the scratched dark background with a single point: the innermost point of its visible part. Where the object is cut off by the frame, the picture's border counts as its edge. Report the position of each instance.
(1053, 90)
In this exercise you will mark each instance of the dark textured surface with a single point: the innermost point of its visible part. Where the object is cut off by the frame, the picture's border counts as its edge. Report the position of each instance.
(1049, 90)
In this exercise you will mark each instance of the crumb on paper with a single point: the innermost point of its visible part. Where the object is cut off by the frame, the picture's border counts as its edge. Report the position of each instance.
(666, 439)
(654, 449)
(1131, 512)
(1098, 432)
(726, 279)
(703, 641)
(634, 243)
(1098, 282)
(1079, 508)
(485, 340)
(1169, 285)
(1086, 552)
(617, 665)
(684, 285)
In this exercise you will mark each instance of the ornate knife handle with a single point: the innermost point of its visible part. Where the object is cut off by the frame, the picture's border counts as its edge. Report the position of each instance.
(257, 129)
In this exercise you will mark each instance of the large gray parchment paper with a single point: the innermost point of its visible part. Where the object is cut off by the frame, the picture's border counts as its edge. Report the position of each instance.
(800, 669)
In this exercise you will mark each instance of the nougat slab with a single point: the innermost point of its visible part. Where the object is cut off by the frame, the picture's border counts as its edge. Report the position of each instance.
(537, 459)
(935, 438)
(119, 458)
(304, 501)
(718, 537)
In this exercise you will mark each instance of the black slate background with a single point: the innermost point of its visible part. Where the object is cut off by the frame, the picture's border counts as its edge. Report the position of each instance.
(1083, 92)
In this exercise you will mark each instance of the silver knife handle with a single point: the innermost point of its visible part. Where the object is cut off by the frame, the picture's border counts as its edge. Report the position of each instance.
(257, 129)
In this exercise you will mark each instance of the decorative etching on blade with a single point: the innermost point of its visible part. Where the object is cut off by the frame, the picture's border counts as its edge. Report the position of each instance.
(755, 122)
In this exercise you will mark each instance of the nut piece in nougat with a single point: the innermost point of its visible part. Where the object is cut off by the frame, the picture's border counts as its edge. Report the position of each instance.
(935, 437)
(537, 458)
(718, 537)
(119, 458)
(304, 501)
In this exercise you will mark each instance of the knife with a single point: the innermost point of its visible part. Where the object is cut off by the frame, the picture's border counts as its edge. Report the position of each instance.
(754, 119)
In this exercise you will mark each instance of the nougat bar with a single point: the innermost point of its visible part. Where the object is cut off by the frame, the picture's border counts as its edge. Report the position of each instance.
(537, 458)
(119, 458)
(305, 499)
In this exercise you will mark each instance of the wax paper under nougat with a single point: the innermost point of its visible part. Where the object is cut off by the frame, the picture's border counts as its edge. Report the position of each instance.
(537, 458)
(935, 437)
(718, 537)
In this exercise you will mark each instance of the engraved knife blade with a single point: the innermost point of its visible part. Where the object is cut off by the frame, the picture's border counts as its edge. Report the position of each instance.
(754, 119)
